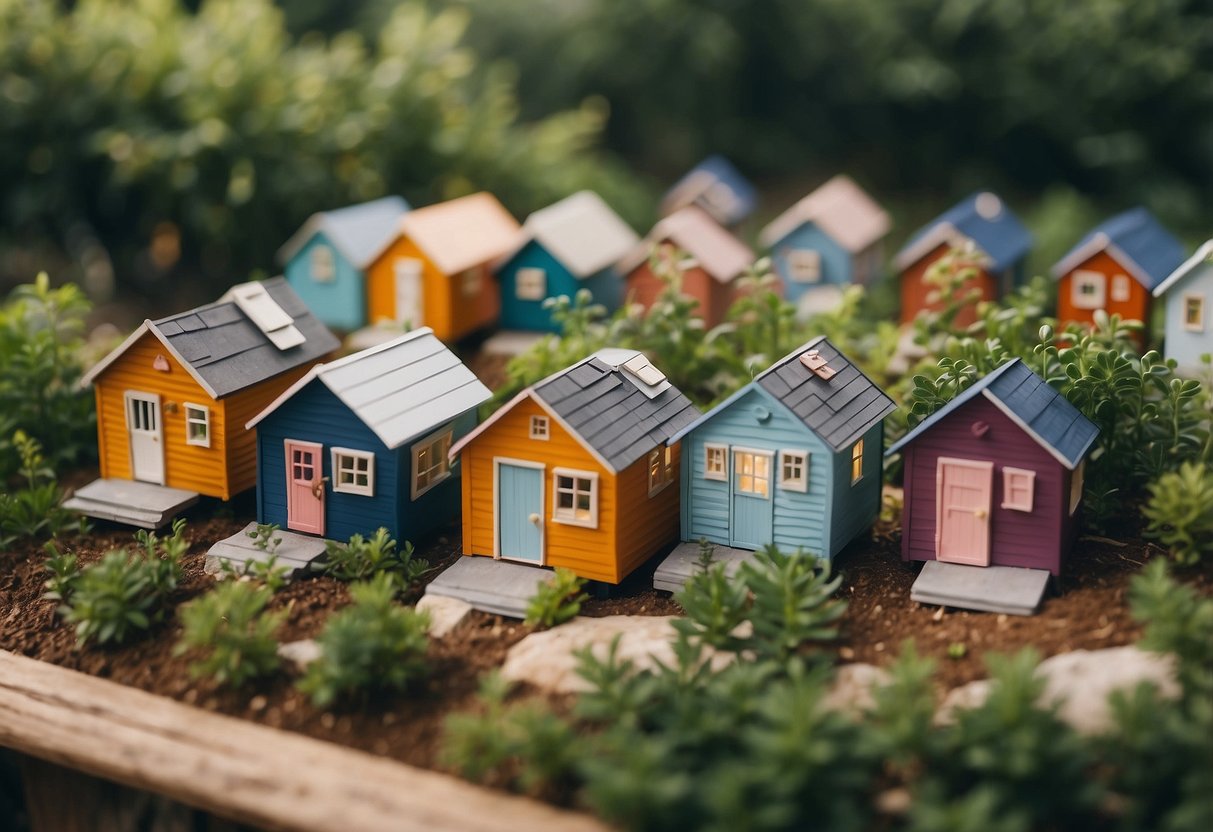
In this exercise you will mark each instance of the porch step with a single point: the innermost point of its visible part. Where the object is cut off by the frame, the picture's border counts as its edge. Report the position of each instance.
(1002, 589)
(296, 551)
(494, 586)
(680, 564)
(140, 504)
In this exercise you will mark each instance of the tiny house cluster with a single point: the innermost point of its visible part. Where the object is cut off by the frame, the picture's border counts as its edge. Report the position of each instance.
(606, 464)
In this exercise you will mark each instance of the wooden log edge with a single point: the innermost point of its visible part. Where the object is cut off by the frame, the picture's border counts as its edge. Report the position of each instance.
(239, 770)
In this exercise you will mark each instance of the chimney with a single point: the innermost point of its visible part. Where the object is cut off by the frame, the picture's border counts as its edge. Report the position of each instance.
(817, 365)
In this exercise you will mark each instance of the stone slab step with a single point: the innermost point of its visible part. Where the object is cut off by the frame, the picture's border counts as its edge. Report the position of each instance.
(141, 504)
(296, 551)
(680, 564)
(1002, 589)
(494, 586)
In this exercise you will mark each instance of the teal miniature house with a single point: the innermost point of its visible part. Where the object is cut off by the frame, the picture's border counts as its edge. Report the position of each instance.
(326, 260)
(793, 458)
(571, 245)
(1187, 294)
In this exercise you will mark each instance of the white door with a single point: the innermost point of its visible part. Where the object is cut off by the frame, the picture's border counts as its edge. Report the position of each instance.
(408, 291)
(146, 436)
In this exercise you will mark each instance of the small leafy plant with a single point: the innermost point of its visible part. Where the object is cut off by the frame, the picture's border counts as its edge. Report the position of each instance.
(65, 573)
(234, 633)
(34, 511)
(1180, 511)
(557, 599)
(364, 558)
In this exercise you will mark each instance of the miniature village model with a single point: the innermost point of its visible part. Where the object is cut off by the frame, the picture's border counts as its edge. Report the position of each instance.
(1187, 294)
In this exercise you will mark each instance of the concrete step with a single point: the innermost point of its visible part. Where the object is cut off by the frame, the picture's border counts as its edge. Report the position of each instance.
(680, 564)
(500, 587)
(295, 551)
(141, 504)
(1001, 589)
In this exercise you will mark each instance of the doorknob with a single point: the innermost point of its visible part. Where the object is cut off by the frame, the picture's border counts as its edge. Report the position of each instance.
(318, 487)
(534, 518)
(980, 514)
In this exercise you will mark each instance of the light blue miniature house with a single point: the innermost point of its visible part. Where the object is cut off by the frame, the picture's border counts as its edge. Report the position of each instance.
(363, 442)
(326, 260)
(1188, 300)
(717, 187)
(792, 458)
(830, 239)
(570, 245)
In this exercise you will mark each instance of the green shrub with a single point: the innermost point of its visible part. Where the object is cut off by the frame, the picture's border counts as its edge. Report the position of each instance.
(1180, 511)
(372, 645)
(556, 600)
(34, 511)
(269, 572)
(364, 558)
(1177, 620)
(230, 627)
(65, 573)
(715, 605)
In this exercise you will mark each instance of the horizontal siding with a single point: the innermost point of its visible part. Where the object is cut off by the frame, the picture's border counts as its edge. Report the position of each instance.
(647, 524)
(856, 506)
(439, 507)
(239, 408)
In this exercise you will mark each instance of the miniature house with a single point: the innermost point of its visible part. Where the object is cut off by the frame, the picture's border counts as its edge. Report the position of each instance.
(575, 470)
(715, 259)
(172, 400)
(362, 442)
(717, 187)
(793, 458)
(1187, 295)
(438, 271)
(831, 238)
(1115, 267)
(326, 261)
(995, 477)
(984, 227)
(571, 245)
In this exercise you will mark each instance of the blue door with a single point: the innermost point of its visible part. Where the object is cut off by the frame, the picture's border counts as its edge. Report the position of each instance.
(752, 504)
(520, 512)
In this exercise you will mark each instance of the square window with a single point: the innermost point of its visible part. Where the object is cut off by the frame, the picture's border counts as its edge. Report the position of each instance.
(431, 463)
(804, 265)
(1088, 290)
(715, 465)
(197, 425)
(1194, 313)
(469, 283)
(575, 500)
(857, 462)
(1018, 488)
(353, 472)
(1120, 288)
(531, 284)
(323, 265)
(794, 471)
(540, 429)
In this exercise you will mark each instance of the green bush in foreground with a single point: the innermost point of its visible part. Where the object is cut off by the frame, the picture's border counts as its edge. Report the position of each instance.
(557, 599)
(1180, 511)
(231, 629)
(364, 558)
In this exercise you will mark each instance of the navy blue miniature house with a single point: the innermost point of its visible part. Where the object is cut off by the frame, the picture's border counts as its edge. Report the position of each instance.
(715, 186)
(363, 442)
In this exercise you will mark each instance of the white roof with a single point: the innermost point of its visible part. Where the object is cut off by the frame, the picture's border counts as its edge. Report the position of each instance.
(581, 231)
(841, 209)
(400, 390)
(693, 230)
(1204, 254)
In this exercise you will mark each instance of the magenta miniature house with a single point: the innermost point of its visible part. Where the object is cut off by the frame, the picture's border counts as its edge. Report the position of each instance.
(994, 478)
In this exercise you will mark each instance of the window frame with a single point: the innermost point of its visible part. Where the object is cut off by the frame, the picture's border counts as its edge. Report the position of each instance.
(739, 472)
(804, 265)
(857, 462)
(1094, 279)
(546, 422)
(660, 469)
(799, 484)
(535, 280)
(352, 487)
(570, 519)
(1199, 299)
(1121, 291)
(205, 441)
(425, 443)
(723, 474)
(322, 263)
(1009, 473)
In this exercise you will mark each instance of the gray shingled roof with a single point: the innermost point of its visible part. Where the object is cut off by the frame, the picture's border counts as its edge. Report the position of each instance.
(611, 414)
(227, 350)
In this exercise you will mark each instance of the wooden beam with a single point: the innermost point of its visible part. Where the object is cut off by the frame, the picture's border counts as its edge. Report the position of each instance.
(243, 771)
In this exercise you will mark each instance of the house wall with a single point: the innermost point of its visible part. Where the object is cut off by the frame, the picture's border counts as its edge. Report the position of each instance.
(836, 266)
(866, 265)
(439, 507)
(1136, 308)
(1036, 539)
(340, 303)
(1185, 345)
(517, 313)
(714, 297)
(241, 444)
(645, 525)
(856, 506)
(914, 290)
(799, 519)
(190, 467)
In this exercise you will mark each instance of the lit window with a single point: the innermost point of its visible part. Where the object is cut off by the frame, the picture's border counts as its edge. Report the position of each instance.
(714, 463)
(857, 462)
(197, 425)
(1120, 288)
(1076, 483)
(430, 463)
(794, 470)
(752, 473)
(661, 469)
(539, 427)
(531, 284)
(804, 265)
(353, 472)
(1194, 313)
(575, 498)
(469, 282)
(324, 269)
(1088, 290)
(1018, 486)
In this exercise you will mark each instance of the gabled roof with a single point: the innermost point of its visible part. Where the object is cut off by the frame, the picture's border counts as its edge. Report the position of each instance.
(360, 232)
(461, 233)
(581, 231)
(1136, 240)
(1204, 254)
(714, 248)
(841, 209)
(1028, 401)
(981, 217)
(839, 410)
(225, 350)
(735, 200)
(400, 390)
(616, 414)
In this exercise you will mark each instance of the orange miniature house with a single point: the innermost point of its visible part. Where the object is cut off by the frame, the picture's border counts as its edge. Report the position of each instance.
(438, 272)
(575, 472)
(173, 399)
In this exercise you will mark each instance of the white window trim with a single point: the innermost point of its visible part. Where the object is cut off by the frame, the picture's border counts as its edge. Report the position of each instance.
(771, 476)
(1183, 311)
(547, 425)
(708, 474)
(1009, 473)
(1083, 277)
(856, 480)
(801, 484)
(205, 442)
(572, 520)
(326, 271)
(367, 490)
(804, 265)
(1077, 477)
(531, 283)
(665, 476)
(1121, 290)
(422, 444)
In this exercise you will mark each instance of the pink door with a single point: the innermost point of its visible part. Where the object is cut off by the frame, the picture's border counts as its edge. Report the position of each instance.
(963, 488)
(304, 487)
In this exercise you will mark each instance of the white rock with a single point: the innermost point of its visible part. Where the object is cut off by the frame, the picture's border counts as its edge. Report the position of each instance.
(851, 690)
(300, 653)
(446, 614)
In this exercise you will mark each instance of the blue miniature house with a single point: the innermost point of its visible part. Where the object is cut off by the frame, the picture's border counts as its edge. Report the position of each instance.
(1188, 298)
(363, 442)
(715, 186)
(571, 245)
(830, 238)
(326, 260)
(793, 458)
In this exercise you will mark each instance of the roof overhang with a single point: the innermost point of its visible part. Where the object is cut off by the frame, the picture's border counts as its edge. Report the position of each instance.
(942, 234)
(147, 326)
(1204, 254)
(1100, 242)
